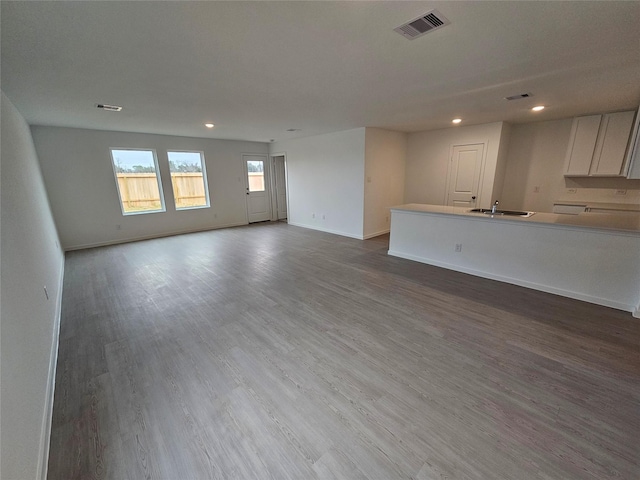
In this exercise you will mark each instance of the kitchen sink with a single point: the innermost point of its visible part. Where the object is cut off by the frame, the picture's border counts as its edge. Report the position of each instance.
(512, 213)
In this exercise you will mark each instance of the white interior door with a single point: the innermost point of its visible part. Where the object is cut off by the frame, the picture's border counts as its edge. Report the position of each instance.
(281, 186)
(258, 196)
(465, 169)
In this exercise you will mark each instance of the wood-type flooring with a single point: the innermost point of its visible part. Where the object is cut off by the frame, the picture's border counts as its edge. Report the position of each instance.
(275, 352)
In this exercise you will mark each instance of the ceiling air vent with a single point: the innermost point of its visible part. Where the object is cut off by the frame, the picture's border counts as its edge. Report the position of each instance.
(426, 23)
(109, 108)
(519, 96)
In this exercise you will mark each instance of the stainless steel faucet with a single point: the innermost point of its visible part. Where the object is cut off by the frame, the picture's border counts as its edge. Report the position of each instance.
(495, 205)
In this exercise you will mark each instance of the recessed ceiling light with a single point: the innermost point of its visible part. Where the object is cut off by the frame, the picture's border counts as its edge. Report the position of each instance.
(456, 120)
(209, 125)
(538, 108)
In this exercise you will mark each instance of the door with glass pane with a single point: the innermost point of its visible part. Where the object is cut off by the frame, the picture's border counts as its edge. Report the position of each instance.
(258, 194)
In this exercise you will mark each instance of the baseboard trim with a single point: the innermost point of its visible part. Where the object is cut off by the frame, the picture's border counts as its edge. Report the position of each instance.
(326, 230)
(47, 418)
(516, 281)
(376, 234)
(150, 237)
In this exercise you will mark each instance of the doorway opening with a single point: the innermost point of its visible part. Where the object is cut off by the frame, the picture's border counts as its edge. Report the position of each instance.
(280, 186)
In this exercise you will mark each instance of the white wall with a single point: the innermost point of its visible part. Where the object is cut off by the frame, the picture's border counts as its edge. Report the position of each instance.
(385, 153)
(535, 158)
(428, 155)
(597, 266)
(30, 259)
(325, 177)
(77, 171)
(501, 164)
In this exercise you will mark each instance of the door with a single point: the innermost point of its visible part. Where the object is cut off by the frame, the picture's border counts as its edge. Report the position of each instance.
(610, 151)
(582, 144)
(465, 169)
(281, 186)
(258, 197)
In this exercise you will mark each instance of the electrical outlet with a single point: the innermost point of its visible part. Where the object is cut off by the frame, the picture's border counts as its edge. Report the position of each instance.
(386, 219)
(118, 227)
(621, 192)
(458, 247)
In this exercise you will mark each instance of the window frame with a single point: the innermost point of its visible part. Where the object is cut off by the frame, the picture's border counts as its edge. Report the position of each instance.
(204, 180)
(163, 207)
(264, 178)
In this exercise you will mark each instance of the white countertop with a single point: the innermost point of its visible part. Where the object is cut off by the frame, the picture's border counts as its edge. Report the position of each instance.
(634, 207)
(621, 222)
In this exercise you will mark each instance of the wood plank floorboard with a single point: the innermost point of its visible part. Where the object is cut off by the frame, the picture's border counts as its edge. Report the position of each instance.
(275, 352)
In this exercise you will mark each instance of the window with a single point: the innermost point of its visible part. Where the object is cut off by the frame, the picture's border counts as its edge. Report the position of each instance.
(138, 181)
(255, 170)
(188, 179)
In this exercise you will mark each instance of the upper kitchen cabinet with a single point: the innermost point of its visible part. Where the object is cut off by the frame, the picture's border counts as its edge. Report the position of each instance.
(582, 144)
(598, 144)
(633, 155)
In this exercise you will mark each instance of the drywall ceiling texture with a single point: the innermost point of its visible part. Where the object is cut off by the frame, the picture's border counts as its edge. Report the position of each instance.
(77, 170)
(325, 181)
(256, 69)
(31, 260)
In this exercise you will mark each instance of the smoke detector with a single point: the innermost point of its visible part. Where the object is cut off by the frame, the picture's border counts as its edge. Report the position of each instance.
(109, 108)
(430, 21)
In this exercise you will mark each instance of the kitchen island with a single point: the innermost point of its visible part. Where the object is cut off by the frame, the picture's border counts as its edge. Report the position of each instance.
(593, 257)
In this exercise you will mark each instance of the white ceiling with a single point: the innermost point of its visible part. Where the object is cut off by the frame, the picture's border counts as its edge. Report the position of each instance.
(256, 69)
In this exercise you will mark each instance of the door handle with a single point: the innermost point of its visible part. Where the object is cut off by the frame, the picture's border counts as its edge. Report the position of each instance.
(473, 198)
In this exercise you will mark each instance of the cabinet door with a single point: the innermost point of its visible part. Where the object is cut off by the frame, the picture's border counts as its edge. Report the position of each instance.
(582, 144)
(612, 144)
(634, 166)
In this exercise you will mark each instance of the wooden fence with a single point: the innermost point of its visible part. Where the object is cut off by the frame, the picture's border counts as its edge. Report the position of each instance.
(139, 191)
(256, 181)
(188, 190)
